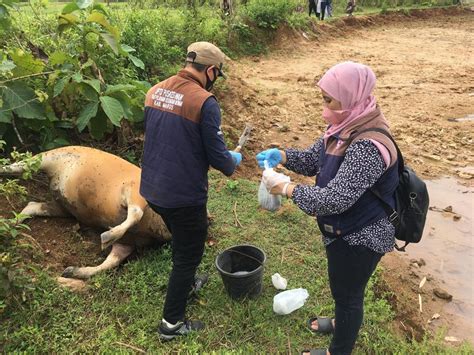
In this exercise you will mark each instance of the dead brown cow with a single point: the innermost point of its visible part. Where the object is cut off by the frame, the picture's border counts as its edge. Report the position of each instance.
(100, 190)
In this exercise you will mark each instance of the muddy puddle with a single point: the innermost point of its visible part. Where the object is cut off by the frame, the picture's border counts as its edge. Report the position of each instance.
(447, 248)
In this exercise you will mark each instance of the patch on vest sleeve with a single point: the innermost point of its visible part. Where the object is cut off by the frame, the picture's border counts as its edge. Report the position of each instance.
(328, 228)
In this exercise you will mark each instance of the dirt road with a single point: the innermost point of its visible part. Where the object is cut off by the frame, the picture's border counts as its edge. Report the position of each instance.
(425, 72)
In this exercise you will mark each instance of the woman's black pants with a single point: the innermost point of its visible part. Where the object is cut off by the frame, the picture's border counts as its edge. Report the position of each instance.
(349, 269)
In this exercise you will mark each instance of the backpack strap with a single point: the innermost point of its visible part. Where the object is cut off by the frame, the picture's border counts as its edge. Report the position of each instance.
(392, 214)
(401, 161)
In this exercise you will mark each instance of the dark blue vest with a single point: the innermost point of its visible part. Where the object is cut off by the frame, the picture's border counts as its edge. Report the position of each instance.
(174, 165)
(367, 209)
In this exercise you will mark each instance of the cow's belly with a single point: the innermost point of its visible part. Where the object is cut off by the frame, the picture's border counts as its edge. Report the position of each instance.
(92, 200)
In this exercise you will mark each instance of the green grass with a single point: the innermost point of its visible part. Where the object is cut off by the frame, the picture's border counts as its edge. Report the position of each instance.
(124, 305)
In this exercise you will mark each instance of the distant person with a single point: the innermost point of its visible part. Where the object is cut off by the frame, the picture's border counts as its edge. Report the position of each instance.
(312, 7)
(321, 9)
(226, 6)
(350, 7)
(183, 138)
(329, 8)
(355, 228)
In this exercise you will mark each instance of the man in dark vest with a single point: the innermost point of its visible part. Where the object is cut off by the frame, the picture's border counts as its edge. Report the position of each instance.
(182, 139)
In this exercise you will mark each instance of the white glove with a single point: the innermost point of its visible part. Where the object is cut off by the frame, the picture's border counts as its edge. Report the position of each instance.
(271, 179)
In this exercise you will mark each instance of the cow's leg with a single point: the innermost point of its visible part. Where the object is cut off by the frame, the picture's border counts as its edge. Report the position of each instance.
(44, 209)
(134, 214)
(118, 254)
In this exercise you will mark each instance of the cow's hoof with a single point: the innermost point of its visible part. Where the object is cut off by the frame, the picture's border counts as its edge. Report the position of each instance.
(72, 284)
(104, 246)
(107, 239)
(69, 272)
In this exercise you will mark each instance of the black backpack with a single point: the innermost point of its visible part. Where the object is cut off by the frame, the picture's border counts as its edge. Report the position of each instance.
(412, 201)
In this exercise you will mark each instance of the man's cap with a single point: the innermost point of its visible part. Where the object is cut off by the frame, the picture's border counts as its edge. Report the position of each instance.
(206, 53)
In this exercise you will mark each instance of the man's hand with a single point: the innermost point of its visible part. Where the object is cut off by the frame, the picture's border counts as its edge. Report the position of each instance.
(272, 156)
(276, 183)
(236, 156)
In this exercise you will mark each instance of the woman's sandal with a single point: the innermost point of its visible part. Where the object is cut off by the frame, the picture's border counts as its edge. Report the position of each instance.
(324, 325)
(314, 352)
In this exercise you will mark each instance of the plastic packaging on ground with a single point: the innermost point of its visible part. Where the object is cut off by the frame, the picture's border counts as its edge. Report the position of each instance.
(279, 282)
(288, 301)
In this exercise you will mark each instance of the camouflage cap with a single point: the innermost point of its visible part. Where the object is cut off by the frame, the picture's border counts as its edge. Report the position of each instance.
(207, 54)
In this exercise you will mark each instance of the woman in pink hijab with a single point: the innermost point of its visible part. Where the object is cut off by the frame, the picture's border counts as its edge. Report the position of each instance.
(352, 159)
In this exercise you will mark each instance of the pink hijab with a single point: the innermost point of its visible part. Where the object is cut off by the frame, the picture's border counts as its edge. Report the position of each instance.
(352, 84)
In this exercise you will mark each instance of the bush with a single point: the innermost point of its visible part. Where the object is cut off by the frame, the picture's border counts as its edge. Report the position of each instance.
(45, 103)
(159, 36)
(213, 30)
(268, 13)
(298, 20)
(14, 280)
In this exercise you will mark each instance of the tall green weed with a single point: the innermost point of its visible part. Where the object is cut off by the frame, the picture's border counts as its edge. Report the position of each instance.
(162, 35)
(268, 14)
(15, 281)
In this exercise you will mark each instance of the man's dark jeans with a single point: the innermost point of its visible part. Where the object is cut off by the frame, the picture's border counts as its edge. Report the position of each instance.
(349, 269)
(312, 7)
(188, 227)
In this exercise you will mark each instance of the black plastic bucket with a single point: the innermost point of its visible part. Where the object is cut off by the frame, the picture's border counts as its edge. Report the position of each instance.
(241, 269)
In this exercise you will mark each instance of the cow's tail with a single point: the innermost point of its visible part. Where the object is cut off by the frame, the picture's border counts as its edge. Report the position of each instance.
(17, 168)
(12, 169)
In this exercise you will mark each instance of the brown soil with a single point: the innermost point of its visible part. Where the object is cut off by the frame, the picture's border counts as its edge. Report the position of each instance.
(402, 280)
(57, 242)
(425, 68)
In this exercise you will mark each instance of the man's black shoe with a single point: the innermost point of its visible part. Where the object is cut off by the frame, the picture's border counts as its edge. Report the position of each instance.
(180, 329)
(199, 282)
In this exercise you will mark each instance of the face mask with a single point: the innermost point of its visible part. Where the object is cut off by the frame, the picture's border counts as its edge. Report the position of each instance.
(334, 116)
(209, 82)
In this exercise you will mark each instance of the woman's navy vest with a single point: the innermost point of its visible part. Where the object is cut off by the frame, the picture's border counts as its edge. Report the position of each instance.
(367, 209)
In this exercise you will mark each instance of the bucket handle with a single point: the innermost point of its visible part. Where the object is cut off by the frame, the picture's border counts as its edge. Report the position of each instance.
(248, 256)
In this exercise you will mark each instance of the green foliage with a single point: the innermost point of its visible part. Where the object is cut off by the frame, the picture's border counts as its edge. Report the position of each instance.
(5, 7)
(268, 13)
(58, 61)
(14, 281)
(73, 91)
(29, 163)
(21, 100)
(247, 38)
(233, 185)
(162, 36)
(298, 20)
(213, 29)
